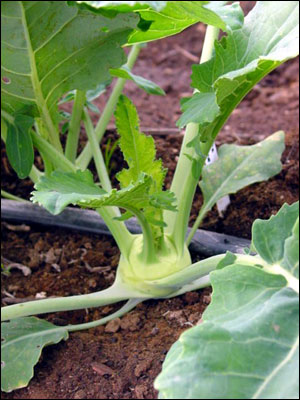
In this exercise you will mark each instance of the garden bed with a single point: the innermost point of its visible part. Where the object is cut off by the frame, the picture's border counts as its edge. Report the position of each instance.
(122, 359)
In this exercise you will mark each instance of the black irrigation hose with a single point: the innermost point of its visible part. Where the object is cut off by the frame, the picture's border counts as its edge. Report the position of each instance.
(204, 242)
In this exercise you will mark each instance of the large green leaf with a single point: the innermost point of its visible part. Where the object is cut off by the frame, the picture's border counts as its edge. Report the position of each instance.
(123, 6)
(166, 18)
(268, 37)
(22, 341)
(179, 15)
(240, 166)
(49, 48)
(246, 348)
(19, 145)
(277, 239)
(149, 86)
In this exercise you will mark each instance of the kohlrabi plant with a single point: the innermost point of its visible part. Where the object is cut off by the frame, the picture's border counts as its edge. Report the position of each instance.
(50, 50)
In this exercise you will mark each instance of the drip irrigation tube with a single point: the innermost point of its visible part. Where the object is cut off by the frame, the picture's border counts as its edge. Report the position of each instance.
(204, 242)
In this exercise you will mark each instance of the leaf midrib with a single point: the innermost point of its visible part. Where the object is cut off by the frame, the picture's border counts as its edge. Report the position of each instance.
(39, 98)
(31, 335)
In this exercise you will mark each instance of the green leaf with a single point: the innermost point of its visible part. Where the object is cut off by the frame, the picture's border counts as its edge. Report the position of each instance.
(49, 49)
(22, 341)
(229, 259)
(200, 108)
(123, 6)
(65, 128)
(179, 15)
(145, 84)
(98, 91)
(61, 189)
(247, 346)
(19, 145)
(3, 129)
(165, 18)
(92, 107)
(139, 153)
(125, 216)
(291, 252)
(137, 148)
(90, 94)
(241, 60)
(276, 239)
(231, 14)
(240, 166)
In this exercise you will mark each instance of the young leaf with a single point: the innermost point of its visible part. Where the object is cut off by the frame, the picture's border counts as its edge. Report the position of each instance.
(145, 84)
(61, 189)
(100, 89)
(19, 145)
(22, 342)
(137, 148)
(241, 60)
(247, 346)
(92, 107)
(277, 239)
(66, 49)
(90, 94)
(139, 152)
(240, 166)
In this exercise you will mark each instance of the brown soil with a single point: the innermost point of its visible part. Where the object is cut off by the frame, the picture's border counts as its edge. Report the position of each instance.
(121, 360)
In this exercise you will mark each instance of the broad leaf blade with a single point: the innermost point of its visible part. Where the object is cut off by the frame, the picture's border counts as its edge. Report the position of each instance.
(276, 239)
(231, 14)
(19, 145)
(179, 15)
(166, 18)
(241, 60)
(200, 108)
(240, 166)
(247, 346)
(61, 189)
(22, 341)
(123, 6)
(56, 48)
(148, 86)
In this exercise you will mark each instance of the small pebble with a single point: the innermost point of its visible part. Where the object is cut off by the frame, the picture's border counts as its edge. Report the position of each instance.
(130, 322)
(113, 326)
(177, 316)
(154, 331)
(80, 394)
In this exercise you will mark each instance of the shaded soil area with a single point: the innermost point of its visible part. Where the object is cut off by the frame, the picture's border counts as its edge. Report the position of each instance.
(121, 359)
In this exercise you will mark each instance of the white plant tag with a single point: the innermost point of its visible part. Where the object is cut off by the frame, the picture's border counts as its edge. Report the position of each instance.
(223, 203)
